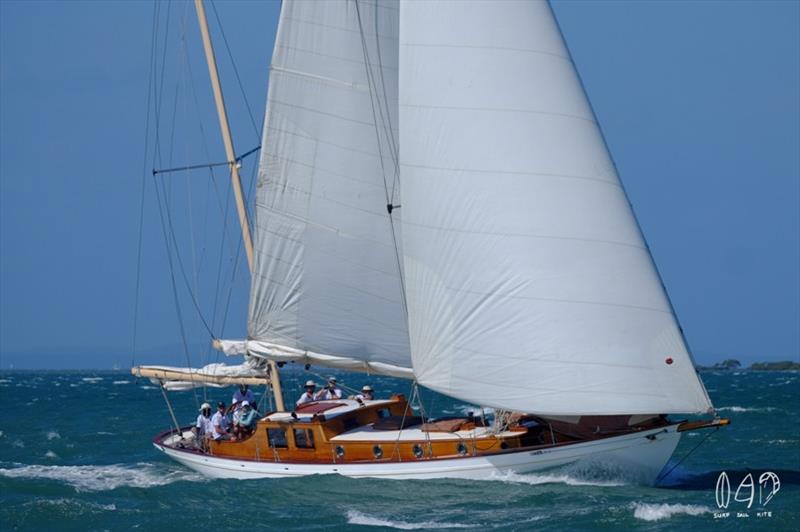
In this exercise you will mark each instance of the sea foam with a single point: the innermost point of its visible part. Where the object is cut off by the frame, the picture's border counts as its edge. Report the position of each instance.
(535, 480)
(354, 517)
(656, 512)
(102, 478)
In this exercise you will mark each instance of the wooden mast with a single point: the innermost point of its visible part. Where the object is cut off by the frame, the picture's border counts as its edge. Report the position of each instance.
(236, 182)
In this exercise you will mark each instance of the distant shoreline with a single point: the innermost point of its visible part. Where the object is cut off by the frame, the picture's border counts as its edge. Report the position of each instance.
(735, 365)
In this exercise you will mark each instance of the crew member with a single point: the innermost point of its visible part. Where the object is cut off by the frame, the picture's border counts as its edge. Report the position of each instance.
(308, 394)
(367, 394)
(202, 427)
(220, 423)
(331, 392)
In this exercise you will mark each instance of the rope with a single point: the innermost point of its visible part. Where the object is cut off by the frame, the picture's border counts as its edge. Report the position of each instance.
(169, 407)
(671, 469)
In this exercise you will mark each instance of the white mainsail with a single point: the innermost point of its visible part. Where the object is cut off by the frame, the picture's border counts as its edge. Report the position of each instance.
(529, 284)
(327, 278)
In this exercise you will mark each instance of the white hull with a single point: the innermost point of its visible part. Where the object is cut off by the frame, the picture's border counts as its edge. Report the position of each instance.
(636, 456)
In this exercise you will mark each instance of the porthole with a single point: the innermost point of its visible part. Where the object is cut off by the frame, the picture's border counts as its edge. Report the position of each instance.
(462, 449)
(417, 450)
(339, 451)
(503, 445)
(377, 452)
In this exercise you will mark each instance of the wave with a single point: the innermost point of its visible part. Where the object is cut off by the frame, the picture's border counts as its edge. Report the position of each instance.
(354, 517)
(102, 478)
(51, 455)
(53, 435)
(121, 382)
(747, 409)
(92, 379)
(537, 479)
(656, 512)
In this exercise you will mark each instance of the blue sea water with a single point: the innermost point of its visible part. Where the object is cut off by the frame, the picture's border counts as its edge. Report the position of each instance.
(76, 455)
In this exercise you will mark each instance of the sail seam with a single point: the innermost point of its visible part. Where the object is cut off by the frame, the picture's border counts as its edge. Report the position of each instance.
(477, 47)
(556, 300)
(524, 235)
(614, 183)
(498, 109)
(325, 79)
(329, 56)
(340, 28)
(317, 111)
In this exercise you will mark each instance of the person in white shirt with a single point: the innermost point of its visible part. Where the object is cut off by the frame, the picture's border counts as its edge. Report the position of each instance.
(242, 394)
(308, 395)
(220, 423)
(367, 394)
(331, 392)
(202, 427)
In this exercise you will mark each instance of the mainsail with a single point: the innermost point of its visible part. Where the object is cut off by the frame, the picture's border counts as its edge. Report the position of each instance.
(327, 279)
(529, 284)
(516, 277)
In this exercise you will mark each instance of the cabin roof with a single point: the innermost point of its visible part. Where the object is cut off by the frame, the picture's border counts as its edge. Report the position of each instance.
(345, 406)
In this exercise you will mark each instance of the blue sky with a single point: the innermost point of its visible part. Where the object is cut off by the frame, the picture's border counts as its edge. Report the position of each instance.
(698, 101)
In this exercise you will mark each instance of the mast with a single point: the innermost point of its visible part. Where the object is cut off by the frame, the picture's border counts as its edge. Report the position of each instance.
(236, 182)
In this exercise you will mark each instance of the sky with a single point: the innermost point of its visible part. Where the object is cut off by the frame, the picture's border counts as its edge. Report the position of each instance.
(699, 102)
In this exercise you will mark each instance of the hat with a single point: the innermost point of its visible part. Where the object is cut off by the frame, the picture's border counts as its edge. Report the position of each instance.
(366, 388)
(205, 406)
(331, 379)
(221, 404)
(311, 383)
(245, 403)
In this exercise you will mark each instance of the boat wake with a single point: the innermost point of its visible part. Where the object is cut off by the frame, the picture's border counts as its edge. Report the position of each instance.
(354, 517)
(656, 512)
(537, 479)
(102, 478)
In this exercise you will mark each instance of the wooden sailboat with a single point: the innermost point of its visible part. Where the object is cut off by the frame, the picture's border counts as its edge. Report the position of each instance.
(436, 202)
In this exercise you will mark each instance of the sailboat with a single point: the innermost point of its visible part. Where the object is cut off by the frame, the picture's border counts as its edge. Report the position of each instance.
(436, 202)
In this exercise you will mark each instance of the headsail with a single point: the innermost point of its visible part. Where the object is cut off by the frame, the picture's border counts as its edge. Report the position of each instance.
(529, 284)
(327, 272)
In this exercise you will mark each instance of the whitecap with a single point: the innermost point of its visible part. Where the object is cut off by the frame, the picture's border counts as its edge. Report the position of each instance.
(18, 443)
(5, 381)
(656, 512)
(102, 478)
(1, 433)
(148, 387)
(51, 455)
(53, 435)
(739, 409)
(122, 382)
(92, 379)
(354, 517)
(535, 480)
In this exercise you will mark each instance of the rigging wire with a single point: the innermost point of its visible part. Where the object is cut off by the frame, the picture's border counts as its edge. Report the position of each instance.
(144, 184)
(235, 70)
(158, 96)
(389, 198)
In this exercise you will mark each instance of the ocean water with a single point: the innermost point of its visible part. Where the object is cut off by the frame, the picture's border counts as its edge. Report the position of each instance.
(76, 455)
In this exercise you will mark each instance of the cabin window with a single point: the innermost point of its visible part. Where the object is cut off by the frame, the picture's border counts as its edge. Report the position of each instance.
(377, 452)
(339, 451)
(462, 449)
(417, 450)
(277, 438)
(383, 412)
(303, 439)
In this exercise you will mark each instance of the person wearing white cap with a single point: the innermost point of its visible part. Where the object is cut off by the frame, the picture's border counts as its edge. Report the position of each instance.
(331, 392)
(308, 394)
(367, 393)
(203, 426)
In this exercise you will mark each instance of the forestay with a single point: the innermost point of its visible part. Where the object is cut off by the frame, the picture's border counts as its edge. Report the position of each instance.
(529, 284)
(326, 281)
